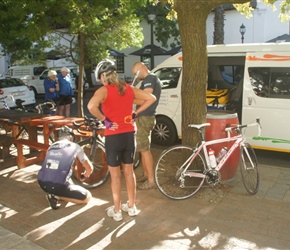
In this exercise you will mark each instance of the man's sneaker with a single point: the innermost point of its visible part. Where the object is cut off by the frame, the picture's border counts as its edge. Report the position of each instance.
(141, 178)
(53, 202)
(117, 216)
(146, 185)
(132, 211)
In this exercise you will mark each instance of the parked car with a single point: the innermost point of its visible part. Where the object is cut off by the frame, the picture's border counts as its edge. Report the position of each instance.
(14, 88)
(37, 84)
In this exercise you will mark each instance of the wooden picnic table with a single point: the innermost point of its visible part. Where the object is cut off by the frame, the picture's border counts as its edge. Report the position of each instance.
(12, 121)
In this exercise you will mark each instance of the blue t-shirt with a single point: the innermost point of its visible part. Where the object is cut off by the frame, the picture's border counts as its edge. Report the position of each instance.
(48, 83)
(65, 85)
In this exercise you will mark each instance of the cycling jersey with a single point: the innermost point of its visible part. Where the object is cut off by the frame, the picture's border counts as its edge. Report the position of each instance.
(57, 165)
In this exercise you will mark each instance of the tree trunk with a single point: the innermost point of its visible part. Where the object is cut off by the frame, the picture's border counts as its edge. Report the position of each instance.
(219, 17)
(81, 76)
(192, 15)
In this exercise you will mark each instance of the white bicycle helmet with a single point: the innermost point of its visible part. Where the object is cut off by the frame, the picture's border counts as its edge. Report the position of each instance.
(105, 65)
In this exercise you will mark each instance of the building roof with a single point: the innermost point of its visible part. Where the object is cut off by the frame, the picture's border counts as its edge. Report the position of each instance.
(280, 39)
(145, 51)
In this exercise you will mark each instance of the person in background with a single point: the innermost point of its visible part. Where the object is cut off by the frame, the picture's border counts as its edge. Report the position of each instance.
(117, 99)
(66, 92)
(145, 123)
(56, 170)
(51, 88)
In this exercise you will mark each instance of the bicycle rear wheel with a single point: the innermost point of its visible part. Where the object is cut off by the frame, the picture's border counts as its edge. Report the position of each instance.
(97, 156)
(249, 169)
(171, 177)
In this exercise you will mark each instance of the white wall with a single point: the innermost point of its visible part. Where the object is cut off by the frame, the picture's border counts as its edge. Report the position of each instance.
(261, 27)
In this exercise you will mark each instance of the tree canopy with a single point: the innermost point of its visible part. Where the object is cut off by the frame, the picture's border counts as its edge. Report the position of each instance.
(105, 24)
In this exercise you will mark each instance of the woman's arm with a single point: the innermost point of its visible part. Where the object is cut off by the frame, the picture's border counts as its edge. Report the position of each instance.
(93, 105)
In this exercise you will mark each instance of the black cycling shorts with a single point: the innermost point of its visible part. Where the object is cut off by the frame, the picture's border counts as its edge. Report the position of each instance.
(120, 148)
(64, 100)
(67, 190)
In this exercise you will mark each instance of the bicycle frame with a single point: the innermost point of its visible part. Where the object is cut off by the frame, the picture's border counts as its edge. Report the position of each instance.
(238, 140)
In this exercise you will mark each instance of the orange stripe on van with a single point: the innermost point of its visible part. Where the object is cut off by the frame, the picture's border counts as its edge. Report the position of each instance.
(268, 57)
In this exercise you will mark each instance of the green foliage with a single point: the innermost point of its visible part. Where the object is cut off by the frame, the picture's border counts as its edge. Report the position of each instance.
(105, 24)
(246, 10)
(165, 27)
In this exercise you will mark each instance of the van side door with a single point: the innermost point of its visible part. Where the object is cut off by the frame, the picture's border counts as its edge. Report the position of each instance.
(266, 94)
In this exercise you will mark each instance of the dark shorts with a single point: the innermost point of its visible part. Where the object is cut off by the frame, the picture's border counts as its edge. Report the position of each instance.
(64, 100)
(66, 190)
(120, 148)
(145, 125)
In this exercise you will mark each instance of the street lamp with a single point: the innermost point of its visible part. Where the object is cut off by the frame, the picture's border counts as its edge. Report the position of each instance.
(242, 31)
(151, 18)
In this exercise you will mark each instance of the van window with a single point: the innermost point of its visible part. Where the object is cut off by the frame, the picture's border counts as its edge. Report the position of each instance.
(168, 77)
(38, 70)
(270, 82)
(232, 73)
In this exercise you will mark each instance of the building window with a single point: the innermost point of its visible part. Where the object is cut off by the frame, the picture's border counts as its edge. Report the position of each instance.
(119, 60)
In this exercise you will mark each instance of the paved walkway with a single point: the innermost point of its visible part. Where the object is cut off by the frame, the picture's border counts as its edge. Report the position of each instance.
(224, 217)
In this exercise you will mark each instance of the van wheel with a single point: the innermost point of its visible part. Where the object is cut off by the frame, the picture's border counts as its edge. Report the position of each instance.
(164, 132)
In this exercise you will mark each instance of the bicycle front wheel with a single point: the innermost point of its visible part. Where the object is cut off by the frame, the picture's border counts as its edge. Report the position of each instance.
(249, 169)
(175, 176)
(97, 156)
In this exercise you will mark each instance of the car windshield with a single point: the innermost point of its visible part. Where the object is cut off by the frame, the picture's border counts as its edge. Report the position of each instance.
(12, 82)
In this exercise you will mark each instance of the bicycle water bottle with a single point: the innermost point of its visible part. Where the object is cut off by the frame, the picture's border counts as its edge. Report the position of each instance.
(221, 154)
(212, 160)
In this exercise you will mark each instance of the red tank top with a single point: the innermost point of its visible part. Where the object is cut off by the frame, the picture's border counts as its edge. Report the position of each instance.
(119, 109)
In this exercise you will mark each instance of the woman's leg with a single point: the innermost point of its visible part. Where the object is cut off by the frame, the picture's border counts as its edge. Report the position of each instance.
(115, 173)
(130, 183)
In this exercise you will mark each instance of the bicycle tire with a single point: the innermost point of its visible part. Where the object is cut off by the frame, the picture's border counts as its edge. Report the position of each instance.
(169, 168)
(137, 160)
(100, 172)
(249, 169)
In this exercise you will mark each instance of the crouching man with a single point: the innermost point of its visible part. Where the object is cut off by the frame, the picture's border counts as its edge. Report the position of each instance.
(57, 169)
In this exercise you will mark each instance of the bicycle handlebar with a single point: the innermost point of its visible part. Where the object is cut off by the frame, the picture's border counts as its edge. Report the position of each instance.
(91, 122)
(39, 106)
(239, 127)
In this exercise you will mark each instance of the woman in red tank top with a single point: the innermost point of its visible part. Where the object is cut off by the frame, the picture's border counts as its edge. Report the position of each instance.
(117, 99)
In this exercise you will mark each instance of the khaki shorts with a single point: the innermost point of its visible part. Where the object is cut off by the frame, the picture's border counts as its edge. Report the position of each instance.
(145, 125)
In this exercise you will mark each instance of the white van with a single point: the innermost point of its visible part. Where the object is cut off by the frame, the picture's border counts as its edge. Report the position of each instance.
(258, 79)
(26, 72)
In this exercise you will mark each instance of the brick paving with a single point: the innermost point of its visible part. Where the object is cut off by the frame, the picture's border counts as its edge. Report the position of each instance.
(224, 217)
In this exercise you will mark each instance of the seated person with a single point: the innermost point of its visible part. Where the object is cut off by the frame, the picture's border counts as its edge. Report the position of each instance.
(56, 170)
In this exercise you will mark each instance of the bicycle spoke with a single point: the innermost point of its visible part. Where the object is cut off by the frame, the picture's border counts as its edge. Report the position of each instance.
(97, 156)
(175, 176)
(249, 169)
